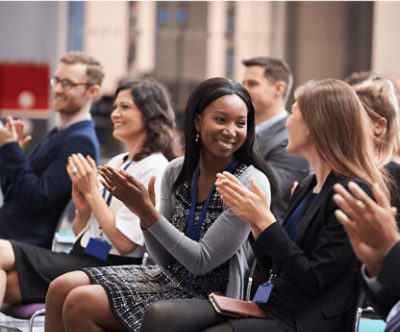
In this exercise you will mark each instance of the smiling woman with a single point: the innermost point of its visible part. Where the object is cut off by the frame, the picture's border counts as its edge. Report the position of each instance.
(143, 118)
(308, 261)
(222, 126)
(108, 233)
(199, 244)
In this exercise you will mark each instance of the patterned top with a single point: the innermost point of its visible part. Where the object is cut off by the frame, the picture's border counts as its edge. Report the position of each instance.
(217, 279)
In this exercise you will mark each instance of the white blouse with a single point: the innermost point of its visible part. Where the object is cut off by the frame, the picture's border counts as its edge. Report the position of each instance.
(126, 221)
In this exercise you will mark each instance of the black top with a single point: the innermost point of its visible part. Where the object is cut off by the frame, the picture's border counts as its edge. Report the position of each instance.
(394, 171)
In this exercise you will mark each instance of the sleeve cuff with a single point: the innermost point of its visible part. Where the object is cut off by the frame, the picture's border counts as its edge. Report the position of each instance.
(372, 283)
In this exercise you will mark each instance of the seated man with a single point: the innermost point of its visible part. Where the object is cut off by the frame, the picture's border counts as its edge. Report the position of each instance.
(269, 81)
(37, 189)
(373, 233)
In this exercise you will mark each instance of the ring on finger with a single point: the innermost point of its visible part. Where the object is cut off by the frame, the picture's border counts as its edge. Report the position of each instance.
(74, 170)
(113, 188)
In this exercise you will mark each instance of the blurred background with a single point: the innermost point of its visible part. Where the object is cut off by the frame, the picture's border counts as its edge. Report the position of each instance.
(181, 43)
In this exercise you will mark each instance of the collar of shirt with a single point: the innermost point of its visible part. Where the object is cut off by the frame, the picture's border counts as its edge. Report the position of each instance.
(270, 122)
(73, 120)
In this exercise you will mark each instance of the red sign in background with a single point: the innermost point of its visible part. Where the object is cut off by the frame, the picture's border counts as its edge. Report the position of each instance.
(24, 89)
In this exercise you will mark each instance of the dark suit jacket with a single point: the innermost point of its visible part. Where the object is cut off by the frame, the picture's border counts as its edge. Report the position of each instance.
(388, 294)
(318, 272)
(37, 189)
(286, 167)
(394, 171)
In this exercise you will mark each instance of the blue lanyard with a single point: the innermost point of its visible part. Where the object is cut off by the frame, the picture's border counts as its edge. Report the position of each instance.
(109, 198)
(194, 234)
(288, 226)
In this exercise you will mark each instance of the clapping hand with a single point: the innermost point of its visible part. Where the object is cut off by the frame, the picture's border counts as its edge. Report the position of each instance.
(8, 132)
(82, 206)
(139, 199)
(19, 126)
(250, 206)
(83, 173)
(371, 226)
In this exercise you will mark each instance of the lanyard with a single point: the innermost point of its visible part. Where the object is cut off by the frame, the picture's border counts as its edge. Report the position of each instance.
(109, 198)
(194, 234)
(292, 231)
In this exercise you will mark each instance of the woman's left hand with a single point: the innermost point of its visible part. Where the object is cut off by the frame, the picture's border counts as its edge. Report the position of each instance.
(250, 206)
(131, 192)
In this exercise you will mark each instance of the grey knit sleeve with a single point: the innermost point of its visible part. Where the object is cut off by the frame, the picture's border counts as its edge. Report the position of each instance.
(222, 240)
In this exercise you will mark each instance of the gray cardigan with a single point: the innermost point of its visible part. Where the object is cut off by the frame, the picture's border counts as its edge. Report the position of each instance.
(226, 239)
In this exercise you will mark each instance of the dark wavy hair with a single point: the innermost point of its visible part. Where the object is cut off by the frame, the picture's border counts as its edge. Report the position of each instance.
(153, 101)
(205, 93)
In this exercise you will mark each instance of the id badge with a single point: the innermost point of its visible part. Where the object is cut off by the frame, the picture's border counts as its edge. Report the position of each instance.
(98, 247)
(263, 292)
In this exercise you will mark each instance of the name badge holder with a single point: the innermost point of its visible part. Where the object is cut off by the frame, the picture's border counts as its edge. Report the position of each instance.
(263, 291)
(97, 246)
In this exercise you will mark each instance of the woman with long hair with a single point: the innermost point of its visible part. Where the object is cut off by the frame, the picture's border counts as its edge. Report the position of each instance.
(312, 270)
(199, 245)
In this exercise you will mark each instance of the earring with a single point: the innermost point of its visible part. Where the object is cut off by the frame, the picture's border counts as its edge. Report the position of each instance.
(196, 139)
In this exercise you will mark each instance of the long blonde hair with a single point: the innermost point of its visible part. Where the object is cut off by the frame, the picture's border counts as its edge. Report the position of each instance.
(341, 130)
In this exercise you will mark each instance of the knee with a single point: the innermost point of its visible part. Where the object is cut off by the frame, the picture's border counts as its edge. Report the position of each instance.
(59, 288)
(160, 316)
(75, 305)
(7, 259)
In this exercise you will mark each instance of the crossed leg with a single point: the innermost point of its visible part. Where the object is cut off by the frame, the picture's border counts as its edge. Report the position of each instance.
(74, 304)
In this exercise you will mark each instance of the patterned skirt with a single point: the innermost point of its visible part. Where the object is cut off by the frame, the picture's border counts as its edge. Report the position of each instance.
(131, 289)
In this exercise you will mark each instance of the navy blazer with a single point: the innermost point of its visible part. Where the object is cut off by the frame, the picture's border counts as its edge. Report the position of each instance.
(271, 143)
(318, 271)
(36, 190)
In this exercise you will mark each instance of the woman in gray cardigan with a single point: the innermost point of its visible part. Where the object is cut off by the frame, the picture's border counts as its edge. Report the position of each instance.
(199, 245)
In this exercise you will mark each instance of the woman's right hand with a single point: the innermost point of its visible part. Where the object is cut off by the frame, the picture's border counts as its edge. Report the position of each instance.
(131, 192)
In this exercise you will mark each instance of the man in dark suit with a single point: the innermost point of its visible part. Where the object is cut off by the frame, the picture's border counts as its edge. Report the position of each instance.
(36, 189)
(269, 81)
(374, 236)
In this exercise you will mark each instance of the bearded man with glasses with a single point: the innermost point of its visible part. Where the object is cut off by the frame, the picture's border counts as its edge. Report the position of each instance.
(37, 188)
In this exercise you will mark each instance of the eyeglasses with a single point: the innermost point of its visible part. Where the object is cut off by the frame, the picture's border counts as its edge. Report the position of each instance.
(66, 84)
(374, 78)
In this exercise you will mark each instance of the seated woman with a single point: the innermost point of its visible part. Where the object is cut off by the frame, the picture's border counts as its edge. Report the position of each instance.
(312, 268)
(143, 120)
(199, 245)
